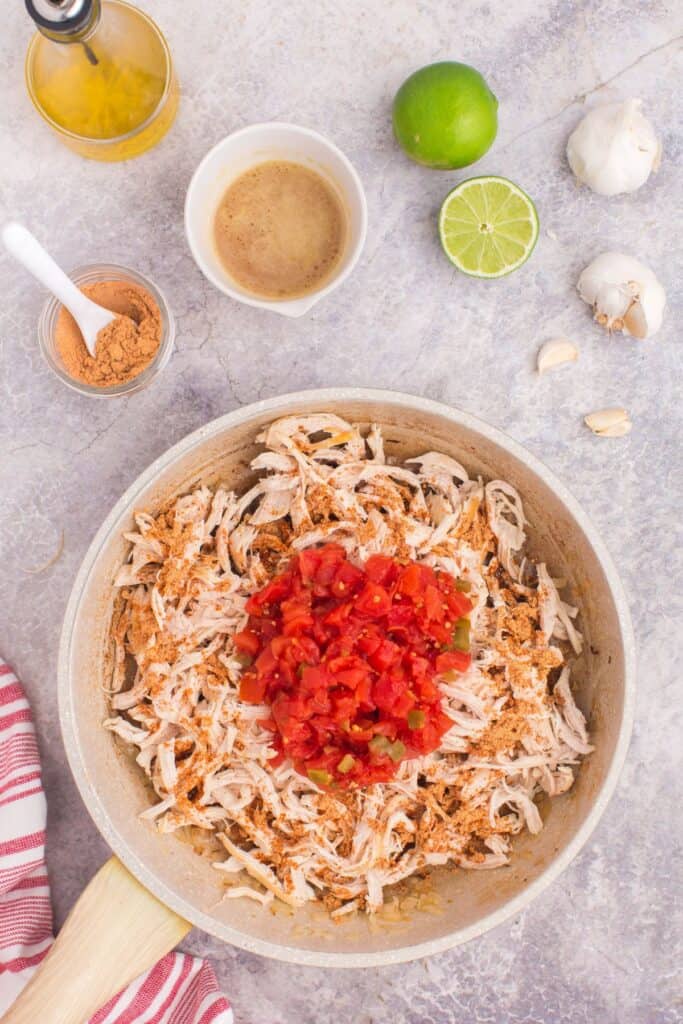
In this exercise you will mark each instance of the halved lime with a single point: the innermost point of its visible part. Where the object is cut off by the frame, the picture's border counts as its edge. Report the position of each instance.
(488, 226)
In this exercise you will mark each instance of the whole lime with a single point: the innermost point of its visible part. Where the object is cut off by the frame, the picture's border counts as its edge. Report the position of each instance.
(445, 115)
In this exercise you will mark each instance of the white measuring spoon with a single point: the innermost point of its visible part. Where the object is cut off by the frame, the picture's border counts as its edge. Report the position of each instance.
(90, 317)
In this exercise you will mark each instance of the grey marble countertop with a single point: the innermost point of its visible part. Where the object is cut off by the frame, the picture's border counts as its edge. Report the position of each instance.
(604, 943)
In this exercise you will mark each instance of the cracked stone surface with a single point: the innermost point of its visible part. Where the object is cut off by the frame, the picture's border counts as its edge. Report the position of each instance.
(604, 943)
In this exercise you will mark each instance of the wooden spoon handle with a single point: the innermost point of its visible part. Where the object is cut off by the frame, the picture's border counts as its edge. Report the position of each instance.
(116, 931)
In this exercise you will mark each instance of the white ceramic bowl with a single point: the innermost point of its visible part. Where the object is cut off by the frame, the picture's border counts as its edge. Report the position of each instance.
(114, 788)
(254, 145)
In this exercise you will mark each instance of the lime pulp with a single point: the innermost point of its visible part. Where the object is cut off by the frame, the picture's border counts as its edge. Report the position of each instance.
(488, 226)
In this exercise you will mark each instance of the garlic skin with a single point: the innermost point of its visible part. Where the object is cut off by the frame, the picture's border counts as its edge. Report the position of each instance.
(555, 353)
(624, 293)
(609, 422)
(614, 149)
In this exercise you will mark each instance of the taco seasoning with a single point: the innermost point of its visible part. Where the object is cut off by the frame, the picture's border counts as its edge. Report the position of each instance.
(124, 348)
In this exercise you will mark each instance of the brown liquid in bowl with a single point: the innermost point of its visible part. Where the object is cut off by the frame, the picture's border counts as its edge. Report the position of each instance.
(280, 230)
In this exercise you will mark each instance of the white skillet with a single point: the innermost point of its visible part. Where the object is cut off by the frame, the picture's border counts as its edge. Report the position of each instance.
(144, 899)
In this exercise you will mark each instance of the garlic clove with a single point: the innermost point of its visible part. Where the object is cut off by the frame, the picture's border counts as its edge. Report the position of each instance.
(609, 422)
(618, 430)
(635, 321)
(652, 298)
(624, 293)
(555, 353)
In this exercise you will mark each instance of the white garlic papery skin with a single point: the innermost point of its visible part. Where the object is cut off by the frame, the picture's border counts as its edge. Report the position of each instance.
(624, 293)
(614, 149)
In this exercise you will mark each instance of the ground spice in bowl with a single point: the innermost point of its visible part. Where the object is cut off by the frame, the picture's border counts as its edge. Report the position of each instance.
(124, 348)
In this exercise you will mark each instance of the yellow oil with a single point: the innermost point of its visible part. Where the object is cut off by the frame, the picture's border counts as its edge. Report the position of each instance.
(113, 109)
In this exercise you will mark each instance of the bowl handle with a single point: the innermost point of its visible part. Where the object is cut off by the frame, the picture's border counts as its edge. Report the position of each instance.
(116, 931)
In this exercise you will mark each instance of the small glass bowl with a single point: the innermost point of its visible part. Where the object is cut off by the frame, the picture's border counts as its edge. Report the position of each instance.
(90, 274)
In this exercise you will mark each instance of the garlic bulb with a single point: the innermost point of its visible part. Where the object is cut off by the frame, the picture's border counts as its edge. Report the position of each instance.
(614, 149)
(624, 293)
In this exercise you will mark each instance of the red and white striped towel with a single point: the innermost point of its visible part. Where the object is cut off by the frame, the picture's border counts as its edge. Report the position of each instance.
(181, 989)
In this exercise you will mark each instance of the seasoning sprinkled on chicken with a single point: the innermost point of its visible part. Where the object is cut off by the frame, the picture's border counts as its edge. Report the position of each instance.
(445, 768)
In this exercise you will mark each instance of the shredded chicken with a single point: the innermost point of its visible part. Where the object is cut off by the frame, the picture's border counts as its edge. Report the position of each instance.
(516, 734)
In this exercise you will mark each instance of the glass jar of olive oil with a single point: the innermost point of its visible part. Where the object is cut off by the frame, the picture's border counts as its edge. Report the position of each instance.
(100, 73)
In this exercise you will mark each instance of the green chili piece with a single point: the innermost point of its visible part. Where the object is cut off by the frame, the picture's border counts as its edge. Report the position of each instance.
(461, 635)
(346, 764)
(319, 776)
(379, 745)
(416, 719)
(396, 750)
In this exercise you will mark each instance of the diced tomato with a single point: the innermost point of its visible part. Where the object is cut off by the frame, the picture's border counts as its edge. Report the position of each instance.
(344, 707)
(339, 658)
(419, 667)
(298, 731)
(320, 632)
(386, 691)
(271, 594)
(296, 625)
(266, 661)
(338, 616)
(313, 678)
(400, 615)
(426, 739)
(427, 689)
(410, 580)
(380, 569)
(252, 688)
(348, 656)
(458, 605)
(442, 722)
(351, 677)
(288, 711)
(247, 641)
(363, 694)
(382, 772)
(373, 602)
(301, 750)
(330, 558)
(369, 640)
(279, 646)
(453, 660)
(435, 604)
(386, 727)
(308, 562)
(301, 649)
(320, 703)
(346, 579)
(386, 654)
(438, 633)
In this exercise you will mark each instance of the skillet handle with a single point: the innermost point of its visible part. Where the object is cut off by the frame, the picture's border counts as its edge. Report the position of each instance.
(116, 930)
